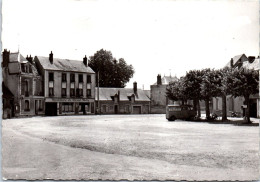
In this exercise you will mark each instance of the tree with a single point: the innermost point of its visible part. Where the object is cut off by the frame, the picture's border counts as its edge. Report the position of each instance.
(193, 81)
(112, 72)
(176, 90)
(209, 87)
(224, 88)
(245, 83)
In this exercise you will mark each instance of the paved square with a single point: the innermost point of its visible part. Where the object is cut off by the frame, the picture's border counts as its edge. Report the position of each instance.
(129, 147)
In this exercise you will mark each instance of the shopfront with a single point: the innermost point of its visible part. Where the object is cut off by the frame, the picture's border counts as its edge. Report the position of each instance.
(69, 106)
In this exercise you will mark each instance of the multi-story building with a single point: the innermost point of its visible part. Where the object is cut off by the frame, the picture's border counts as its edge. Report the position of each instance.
(21, 78)
(235, 104)
(68, 85)
(159, 100)
(122, 100)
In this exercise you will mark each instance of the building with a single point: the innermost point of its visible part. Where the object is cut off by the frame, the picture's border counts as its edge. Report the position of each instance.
(22, 82)
(68, 85)
(122, 100)
(158, 96)
(235, 104)
(8, 102)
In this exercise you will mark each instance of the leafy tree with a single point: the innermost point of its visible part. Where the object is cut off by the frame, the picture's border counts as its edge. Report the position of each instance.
(112, 72)
(224, 88)
(245, 83)
(176, 90)
(209, 87)
(193, 81)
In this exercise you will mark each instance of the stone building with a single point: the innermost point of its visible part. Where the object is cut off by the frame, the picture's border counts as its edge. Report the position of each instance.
(122, 100)
(68, 87)
(158, 96)
(21, 78)
(235, 104)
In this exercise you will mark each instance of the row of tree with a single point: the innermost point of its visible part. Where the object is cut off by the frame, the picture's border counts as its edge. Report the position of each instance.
(204, 84)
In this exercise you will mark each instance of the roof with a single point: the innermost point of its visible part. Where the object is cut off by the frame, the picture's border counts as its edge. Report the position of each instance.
(254, 65)
(63, 65)
(16, 57)
(14, 67)
(106, 93)
(167, 79)
(6, 92)
(147, 93)
(236, 59)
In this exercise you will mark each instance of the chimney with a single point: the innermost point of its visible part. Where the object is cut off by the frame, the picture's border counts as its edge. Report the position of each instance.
(231, 63)
(159, 79)
(6, 58)
(30, 59)
(51, 57)
(135, 88)
(85, 60)
(118, 95)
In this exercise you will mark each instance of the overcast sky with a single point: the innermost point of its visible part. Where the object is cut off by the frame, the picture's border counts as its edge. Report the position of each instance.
(155, 36)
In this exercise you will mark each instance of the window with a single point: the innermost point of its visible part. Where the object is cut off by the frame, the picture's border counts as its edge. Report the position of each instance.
(40, 105)
(80, 92)
(72, 77)
(26, 88)
(26, 105)
(67, 107)
(64, 77)
(72, 92)
(88, 92)
(51, 77)
(63, 92)
(51, 91)
(88, 78)
(127, 108)
(80, 78)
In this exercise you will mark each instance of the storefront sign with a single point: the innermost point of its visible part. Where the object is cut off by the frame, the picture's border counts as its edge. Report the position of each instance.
(68, 100)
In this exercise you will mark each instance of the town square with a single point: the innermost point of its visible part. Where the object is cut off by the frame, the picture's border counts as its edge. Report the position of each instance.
(134, 147)
(130, 90)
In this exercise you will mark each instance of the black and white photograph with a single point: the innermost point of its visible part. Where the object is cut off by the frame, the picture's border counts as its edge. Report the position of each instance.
(130, 90)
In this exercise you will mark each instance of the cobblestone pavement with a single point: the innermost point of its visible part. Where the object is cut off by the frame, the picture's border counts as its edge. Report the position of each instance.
(114, 147)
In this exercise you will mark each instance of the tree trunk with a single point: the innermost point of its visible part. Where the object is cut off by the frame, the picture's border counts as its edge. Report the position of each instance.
(247, 114)
(224, 107)
(207, 108)
(195, 105)
(199, 113)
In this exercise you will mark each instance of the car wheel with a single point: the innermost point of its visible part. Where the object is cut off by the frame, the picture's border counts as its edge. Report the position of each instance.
(172, 118)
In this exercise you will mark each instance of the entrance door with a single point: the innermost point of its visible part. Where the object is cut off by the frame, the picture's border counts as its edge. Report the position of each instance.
(136, 109)
(253, 110)
(116, 109)
(36, 107)
(51, 109)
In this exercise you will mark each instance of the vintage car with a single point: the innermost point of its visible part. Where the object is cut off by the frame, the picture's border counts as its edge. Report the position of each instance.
(180, 112)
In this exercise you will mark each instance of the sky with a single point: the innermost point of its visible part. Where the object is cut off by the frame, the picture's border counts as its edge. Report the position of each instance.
(167, 37)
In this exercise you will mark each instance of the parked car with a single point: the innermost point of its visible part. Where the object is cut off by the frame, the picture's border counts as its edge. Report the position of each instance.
(174, 112)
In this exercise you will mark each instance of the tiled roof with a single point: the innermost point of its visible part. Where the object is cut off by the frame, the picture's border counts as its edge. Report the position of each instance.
(64, 65)
(148, 93)
(167, 79)
(106, 93)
